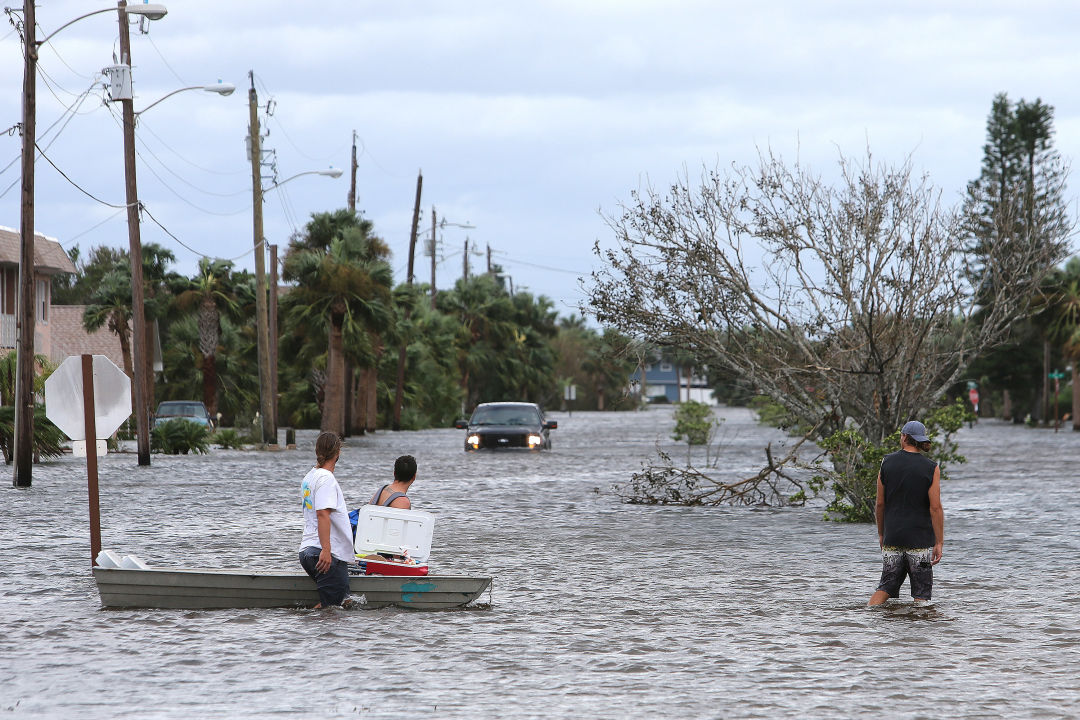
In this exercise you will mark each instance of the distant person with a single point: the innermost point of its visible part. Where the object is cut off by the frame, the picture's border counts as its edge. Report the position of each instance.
(327, 548)
(395, 494)
(910, 520)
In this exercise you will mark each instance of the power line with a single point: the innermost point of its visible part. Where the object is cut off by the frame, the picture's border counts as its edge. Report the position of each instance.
(541, 267)
(73, 109)
(193, 250)
(144, 126)
(75, 184)
(91, 229)
(169, 187)
(160, 55)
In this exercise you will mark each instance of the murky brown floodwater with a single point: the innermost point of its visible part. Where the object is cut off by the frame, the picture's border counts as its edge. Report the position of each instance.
(601, 610)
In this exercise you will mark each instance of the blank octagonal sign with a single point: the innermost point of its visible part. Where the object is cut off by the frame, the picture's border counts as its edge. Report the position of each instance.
(64, 397)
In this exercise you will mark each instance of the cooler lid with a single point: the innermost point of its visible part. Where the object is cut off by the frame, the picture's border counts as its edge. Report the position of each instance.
(389, 530)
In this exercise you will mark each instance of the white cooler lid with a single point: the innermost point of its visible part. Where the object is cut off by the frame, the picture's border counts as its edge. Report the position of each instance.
(387, 529)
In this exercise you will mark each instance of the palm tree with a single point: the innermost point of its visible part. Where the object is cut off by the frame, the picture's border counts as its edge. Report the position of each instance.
(343, 284)
(110, 305)
(210, 294)
(1060, 308)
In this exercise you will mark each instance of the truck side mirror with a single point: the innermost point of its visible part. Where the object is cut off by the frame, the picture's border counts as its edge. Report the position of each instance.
(461, 424)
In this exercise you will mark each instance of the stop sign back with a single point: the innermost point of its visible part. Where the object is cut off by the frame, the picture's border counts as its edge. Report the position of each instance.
(64, 397)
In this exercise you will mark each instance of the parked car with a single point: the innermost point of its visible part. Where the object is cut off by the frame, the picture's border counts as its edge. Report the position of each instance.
(191, 410)
(500, 425)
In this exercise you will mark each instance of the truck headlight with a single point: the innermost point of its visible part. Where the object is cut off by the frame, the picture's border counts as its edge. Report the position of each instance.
(535, 440)
(473, 440)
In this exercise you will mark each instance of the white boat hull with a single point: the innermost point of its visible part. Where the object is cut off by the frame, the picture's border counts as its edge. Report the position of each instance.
(200, 589)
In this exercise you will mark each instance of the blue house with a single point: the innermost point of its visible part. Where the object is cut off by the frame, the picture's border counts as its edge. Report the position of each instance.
(665, 380)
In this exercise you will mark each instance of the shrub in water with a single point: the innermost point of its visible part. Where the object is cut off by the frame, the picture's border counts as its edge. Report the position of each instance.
(228, 438)
(177, 437)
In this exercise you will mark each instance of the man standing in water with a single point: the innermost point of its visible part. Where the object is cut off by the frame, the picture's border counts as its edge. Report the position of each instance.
(326, 549)
(910, 520)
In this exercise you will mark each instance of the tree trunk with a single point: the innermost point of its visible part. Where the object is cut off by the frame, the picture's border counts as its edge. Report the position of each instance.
(358, 414)
(370, 381)
(371, 392)
(1006, 405)
(1044, 411)
(150, 328)
(333, 417)
(209, 384)
(350, 388)
(1076, 394)
(599, 397)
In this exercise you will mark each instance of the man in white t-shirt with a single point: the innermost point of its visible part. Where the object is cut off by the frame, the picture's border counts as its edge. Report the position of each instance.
(327, 548)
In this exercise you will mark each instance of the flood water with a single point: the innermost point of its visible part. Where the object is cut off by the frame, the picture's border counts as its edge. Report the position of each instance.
(600, 609)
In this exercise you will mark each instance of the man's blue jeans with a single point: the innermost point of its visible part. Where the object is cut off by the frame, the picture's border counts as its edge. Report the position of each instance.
(333, 585)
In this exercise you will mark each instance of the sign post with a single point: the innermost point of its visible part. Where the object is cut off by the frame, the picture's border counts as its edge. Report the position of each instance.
(87, 397)
(90, 426)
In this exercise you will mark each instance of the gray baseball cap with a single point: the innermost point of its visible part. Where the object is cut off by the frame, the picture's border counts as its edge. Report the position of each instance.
(916, 431)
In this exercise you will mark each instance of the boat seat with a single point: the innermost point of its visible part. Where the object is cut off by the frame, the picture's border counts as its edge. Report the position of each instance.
(108, 559)
(391, 530)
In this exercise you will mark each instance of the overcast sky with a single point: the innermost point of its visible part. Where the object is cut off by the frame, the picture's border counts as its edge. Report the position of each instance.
(527, 119)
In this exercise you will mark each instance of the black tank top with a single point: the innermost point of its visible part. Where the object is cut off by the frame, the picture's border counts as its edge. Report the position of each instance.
(906, 477)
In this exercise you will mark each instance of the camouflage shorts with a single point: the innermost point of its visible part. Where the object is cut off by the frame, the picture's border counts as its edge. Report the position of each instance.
(898, 563)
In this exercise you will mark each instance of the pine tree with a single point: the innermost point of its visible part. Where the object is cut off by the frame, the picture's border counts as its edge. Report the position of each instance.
(1016, 202)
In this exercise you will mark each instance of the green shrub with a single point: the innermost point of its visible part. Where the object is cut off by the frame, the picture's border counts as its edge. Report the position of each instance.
(179, 436)
(694, 423)
(228, 438)
(856, 461)
(48, 440)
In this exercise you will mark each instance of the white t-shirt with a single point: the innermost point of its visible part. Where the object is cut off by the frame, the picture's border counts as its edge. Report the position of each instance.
(319, 491)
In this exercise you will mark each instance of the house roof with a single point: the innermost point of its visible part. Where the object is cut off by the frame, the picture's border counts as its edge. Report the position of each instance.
(49, 256)
(70, 338)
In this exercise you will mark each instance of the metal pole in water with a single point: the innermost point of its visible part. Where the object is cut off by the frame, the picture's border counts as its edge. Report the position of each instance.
(91, 456)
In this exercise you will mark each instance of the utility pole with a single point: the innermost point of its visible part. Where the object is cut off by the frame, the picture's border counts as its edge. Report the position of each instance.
(266, 406)
(434, 250)
(400, 390)
(352, 185)
(350, 372)
(273, 331)
(24, 372)
(140, 363)
(489, 259)
(465, 264)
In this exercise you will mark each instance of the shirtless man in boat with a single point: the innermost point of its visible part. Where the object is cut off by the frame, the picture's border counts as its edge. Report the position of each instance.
(395, 494)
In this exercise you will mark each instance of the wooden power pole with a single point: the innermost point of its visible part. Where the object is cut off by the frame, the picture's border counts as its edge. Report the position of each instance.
(273, 333)
(434, 250)
(24, 372)
(400, 389)
(266, 405)
(141, 363)
(352, 184)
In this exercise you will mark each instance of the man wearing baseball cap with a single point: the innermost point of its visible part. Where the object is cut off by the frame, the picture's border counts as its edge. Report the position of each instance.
(910, 520)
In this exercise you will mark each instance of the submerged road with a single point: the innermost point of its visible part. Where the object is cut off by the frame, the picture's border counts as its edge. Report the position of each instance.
(601, 609)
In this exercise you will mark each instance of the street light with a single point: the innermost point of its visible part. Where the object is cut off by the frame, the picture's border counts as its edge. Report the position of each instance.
(24, 373)
(223, 89)
(331, 172)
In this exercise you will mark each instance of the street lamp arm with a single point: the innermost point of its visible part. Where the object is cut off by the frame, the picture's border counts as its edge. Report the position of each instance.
(224, 89)
(332, 172)
(153, 12)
